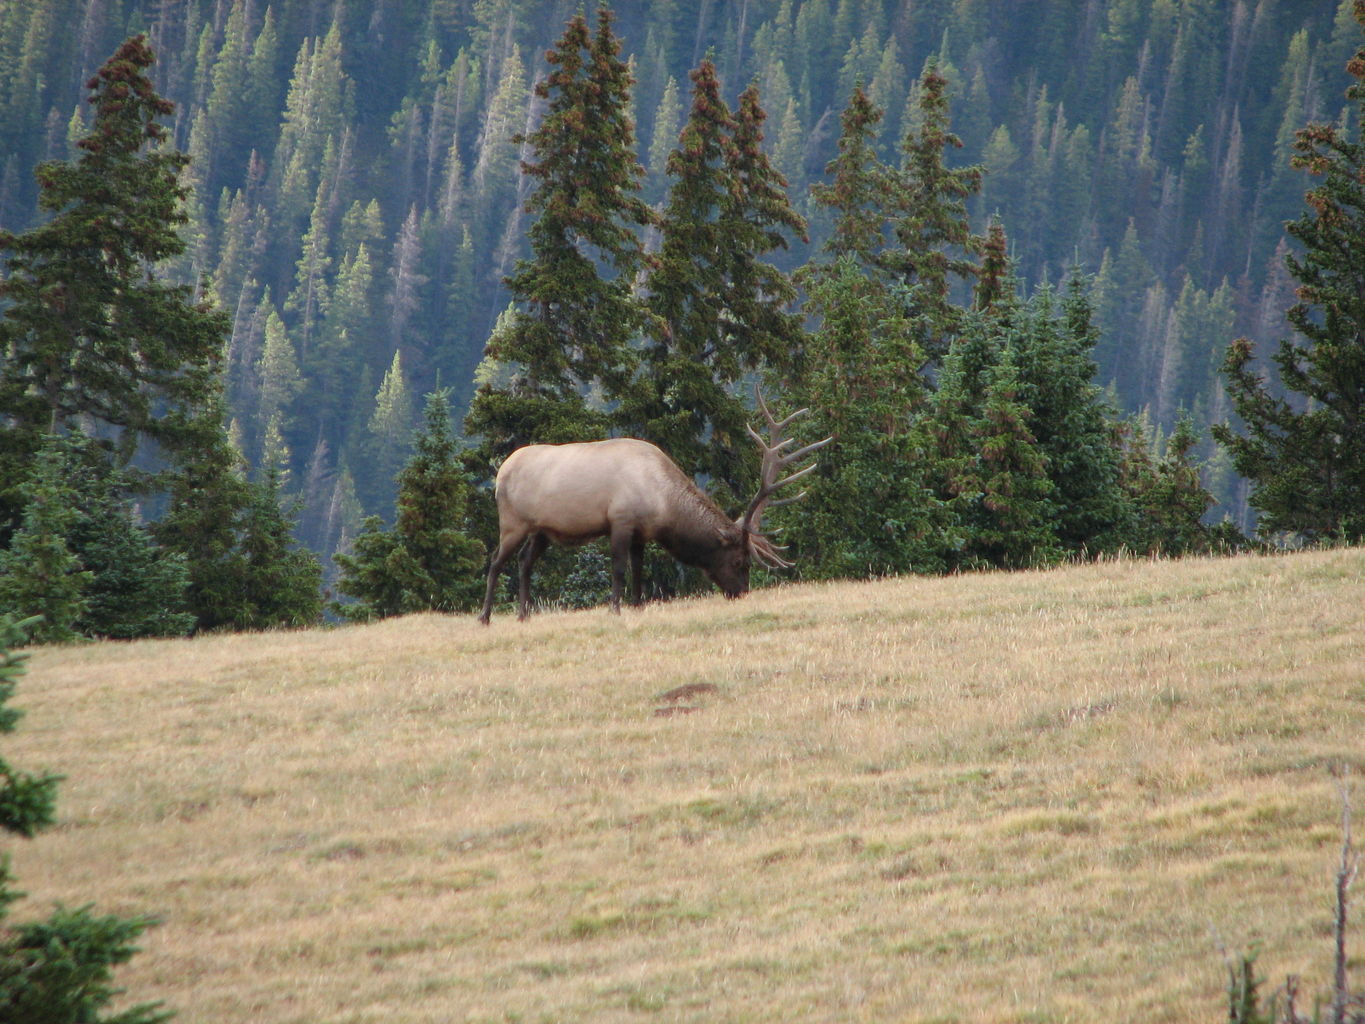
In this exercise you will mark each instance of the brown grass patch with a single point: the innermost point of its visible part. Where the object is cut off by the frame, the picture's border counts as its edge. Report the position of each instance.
(1031, 796)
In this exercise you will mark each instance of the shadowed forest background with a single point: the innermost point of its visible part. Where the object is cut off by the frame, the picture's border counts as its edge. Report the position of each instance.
(356, 198)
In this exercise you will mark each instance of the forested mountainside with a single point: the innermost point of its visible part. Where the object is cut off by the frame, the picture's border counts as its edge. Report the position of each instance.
(357, 199)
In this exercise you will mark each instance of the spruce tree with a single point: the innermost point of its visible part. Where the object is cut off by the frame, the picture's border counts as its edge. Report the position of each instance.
(856, 192)
(278, 582)
(427, 562)
(981, 455)
(94, 341)
(1010, 524)
(719, 309)
(574, 308)
(868, 511)
(678, 400)
(1168, 500)
(27, 801)
(202, 520)
(871, 508)
(245, 572)
(57, 970)
(1305, 454)
(1070, 417)
(39, 573)
(935, 249)
(388, 436)
(137, 588)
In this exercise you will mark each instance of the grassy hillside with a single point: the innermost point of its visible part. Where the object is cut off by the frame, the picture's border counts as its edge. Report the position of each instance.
(1042, 797)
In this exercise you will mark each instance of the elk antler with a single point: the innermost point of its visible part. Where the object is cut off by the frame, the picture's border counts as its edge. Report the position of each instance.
(775, 460)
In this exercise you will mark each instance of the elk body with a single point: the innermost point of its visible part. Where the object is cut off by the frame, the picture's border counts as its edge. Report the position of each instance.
(632, 493)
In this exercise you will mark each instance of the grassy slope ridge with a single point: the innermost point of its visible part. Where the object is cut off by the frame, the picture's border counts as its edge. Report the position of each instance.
(1033, 796)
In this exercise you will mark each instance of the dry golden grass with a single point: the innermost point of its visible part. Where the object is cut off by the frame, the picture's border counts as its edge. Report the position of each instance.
(1038, 796)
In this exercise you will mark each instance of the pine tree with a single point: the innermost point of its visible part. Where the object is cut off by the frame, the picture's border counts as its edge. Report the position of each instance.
(575, 311)
(202, 522)
(317, 108)
(757, 219)
(427, 562)
(1016, 507)
(928, 207)
(869, 511)
(664, 137)
(126, 586)
(1070, 417)
(137, 589)
(1306, 458)
(682, 399)
(720, 310)
(858, 185)
(60, 969)
(277, 370)
(27, 801)
(39, 573)
(94, 341)
(1166, 494)
(388, 436)
(332, 372)
(278, 582)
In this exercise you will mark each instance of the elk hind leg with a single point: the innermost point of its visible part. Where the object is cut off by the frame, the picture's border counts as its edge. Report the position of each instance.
(535, 547)
(507, 544)
(637, 569)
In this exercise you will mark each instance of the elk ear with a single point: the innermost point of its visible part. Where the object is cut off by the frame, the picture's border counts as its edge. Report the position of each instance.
(764, 551)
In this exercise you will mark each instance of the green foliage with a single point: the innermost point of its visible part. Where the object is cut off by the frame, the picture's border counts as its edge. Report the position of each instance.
(83, 561)
(575, 308)
(1244, 995)
(58, 970)
(1168, 499)
(427, 562)
(989, 470)
(363, 163)
(1306, 457)
(388, 437)
(1071, 420)
(719, 309)
(27, 801)
(927, 207)
(94, 342)
(277, 583)
(868, 511)
(245, 570)
(39, 573)
(898, 239)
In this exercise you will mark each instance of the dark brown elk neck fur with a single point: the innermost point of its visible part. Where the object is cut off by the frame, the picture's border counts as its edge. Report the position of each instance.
(698, 528)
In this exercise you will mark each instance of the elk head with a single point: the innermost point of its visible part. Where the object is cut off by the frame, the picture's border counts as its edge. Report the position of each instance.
(733, 579)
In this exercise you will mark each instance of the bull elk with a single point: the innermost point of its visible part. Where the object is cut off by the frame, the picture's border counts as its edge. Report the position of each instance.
(632, 493)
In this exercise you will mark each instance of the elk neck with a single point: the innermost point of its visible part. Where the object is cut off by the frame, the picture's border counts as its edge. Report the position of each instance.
(698, 528)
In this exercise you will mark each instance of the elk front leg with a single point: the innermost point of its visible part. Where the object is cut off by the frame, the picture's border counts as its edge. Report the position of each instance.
(622, 545)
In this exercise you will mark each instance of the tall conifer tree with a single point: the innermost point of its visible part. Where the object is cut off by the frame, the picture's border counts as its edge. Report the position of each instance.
(720, 309)
(574, 310)
(1306, 456)
(94, 341)
(678, 399)
(935, 249)
(870, 510)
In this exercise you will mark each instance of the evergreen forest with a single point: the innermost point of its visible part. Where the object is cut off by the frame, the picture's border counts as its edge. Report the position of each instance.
(988, 239)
